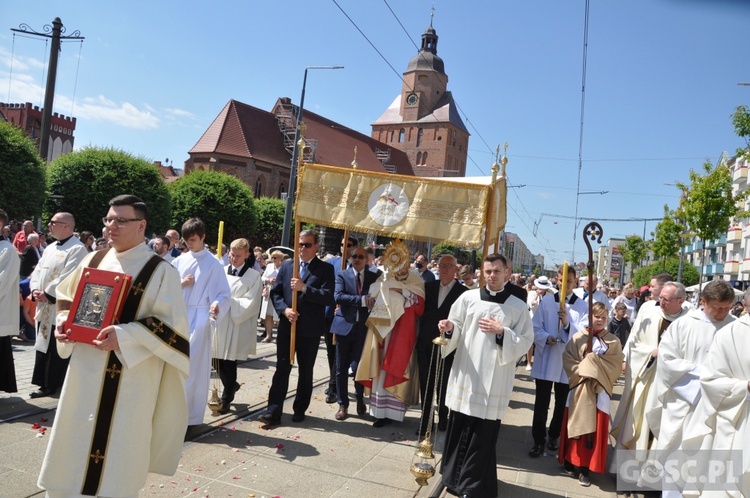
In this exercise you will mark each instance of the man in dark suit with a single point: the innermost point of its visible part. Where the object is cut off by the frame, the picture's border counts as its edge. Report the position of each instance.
(439, 297)
(315, 291)
(347, 245)
(354, 305)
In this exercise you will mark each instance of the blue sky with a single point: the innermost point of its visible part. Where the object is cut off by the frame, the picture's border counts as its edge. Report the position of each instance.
(661, 83)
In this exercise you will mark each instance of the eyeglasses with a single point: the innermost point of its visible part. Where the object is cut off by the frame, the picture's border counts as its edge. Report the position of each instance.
(358, 256)
(306, 245)
(56, 222)
(446, 265)
(120, 222)
(665, 300)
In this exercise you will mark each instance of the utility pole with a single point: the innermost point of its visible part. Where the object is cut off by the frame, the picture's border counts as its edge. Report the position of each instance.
(57, 29)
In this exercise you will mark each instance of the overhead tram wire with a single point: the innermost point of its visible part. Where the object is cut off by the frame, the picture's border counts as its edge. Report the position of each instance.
(522, 218)
(580, 135)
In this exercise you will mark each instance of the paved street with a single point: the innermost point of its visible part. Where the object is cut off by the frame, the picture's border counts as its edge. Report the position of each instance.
(234, 456)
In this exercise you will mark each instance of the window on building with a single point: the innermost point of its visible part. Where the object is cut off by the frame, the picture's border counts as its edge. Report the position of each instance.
(419, 158)
(419, 137)
(258, 188)
(391, 136)
(424, 159)
(282, 190)
(401, 135)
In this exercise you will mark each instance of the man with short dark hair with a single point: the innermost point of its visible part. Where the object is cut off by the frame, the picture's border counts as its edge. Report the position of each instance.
(420, 266)
(347, 246)
(206, 292)
(57, 262)
(489, 329)
(123, 412)
(353, 307)
(161, 247)
(314, 287)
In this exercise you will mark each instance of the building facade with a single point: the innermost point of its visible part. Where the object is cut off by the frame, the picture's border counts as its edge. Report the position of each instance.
(423, 120)
(29, 118)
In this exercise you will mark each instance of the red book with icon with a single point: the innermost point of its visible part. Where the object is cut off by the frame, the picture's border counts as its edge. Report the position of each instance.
(98, 303)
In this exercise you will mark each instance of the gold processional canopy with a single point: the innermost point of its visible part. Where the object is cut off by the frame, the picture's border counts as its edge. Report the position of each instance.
(458, 211)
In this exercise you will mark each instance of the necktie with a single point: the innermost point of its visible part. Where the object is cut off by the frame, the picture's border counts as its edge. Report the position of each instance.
(234, 272)
(359, 283)
(585, 294)
(303, 270)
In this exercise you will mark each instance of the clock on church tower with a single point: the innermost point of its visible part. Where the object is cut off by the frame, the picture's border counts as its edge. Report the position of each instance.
(412, 99)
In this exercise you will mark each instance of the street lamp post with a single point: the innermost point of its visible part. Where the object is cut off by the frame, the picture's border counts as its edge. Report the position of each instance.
(295, 154)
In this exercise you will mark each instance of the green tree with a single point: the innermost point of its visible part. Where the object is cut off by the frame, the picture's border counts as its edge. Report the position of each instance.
(709, 204)
(83, 182)
(214, 197)
(270, 213)
(23, 184)
(741, 122)
(667, 236)
(443, 249)
(690, 275)
(633, 252)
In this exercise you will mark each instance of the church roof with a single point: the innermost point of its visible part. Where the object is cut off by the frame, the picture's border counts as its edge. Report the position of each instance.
(445, 111)
(245, 131)
(336, 146)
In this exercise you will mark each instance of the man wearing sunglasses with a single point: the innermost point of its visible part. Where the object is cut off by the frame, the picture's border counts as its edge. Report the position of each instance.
(347, 247)
(354, 305)
(57, 262)
(314, 288)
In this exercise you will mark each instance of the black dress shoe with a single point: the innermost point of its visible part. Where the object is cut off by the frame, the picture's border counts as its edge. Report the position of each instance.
(269, 420)
(537, 450)
(40, 393)
(552, 444)
(331, 397)
(361, 407)
(381, 422)
(298, 417)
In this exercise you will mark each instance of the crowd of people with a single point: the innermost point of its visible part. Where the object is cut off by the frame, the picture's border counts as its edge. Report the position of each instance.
(189, 312)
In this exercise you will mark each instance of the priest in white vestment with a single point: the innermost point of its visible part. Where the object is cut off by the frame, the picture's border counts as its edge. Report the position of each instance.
(630, 429)
(122, 411)
(722, 417)
(490, 329)
(206, 292)
(237, 331)
(683, 352)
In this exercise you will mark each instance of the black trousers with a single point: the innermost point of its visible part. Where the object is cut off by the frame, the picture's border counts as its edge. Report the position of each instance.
(228, 375)
(541, 407)
(469, 459)
(306, 351)
(331, 352)
(427, 384)
(49, 369)
(348, 353)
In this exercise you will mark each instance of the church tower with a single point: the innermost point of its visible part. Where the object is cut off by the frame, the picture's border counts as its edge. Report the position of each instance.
(423, 121)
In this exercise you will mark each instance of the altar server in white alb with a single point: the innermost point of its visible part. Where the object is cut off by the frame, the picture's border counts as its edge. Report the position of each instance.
(122, 410)
(58, 261)
(722, 418)
(9, 310)
(206, 292)
(237, 331)
(490, 329)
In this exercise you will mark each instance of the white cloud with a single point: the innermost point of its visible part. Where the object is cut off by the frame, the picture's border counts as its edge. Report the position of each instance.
(124, 114)
(19, 62)
(179, 113)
